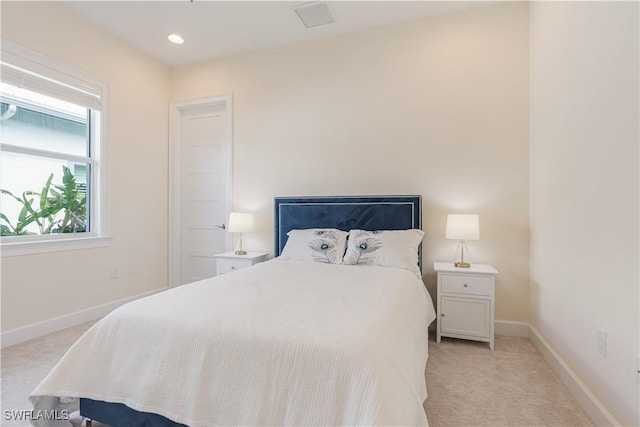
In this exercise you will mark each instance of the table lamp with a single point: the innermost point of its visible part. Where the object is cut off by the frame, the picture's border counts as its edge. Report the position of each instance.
(240, 222)
(463, 227)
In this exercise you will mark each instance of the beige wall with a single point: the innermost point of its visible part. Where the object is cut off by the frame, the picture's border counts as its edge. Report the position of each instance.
(437, 107)
(584, 192)
(40, 287)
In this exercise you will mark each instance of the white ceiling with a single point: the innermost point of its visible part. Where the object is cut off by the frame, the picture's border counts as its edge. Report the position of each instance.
(213, 29)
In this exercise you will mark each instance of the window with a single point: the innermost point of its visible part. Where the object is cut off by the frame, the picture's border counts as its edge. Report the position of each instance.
(51, 164)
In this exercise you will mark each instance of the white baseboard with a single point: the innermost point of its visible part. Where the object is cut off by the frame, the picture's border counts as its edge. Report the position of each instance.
(45, 327)
(510, 328)
(585, 398)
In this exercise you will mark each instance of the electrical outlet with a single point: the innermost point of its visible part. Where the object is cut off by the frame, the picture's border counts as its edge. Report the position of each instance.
(133, 269)
(114, 272)
(602, 342)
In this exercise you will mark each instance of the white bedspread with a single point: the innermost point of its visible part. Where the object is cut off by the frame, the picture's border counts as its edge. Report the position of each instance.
(284, 342)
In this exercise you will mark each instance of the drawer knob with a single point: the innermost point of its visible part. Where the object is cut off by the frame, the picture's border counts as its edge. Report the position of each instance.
(233, 268)
(441, 314)
(466, 286)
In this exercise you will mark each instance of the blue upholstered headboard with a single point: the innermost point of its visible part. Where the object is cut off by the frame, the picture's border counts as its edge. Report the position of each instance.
(346, 213)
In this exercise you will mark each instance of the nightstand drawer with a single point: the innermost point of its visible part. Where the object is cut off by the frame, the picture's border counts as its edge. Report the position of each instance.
(229, 261)
(473, 285)
(228, 265)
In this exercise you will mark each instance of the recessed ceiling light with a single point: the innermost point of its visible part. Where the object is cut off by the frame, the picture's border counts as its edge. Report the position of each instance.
(174, 38)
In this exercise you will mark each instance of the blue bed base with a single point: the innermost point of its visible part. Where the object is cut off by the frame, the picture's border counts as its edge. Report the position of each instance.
(120, 415)
(344, 213)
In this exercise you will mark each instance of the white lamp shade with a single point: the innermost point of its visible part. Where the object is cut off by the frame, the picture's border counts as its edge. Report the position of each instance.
(463, 227)
(240, 222)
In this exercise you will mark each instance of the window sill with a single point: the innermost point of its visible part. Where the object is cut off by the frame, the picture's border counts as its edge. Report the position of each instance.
(46, 246)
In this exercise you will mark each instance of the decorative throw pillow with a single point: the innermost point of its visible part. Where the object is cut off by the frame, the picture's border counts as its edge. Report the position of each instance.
(389, 248)
(316, 244)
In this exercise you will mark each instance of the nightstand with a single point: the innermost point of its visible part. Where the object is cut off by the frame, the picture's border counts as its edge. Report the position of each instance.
(466, 302)
(228, 261)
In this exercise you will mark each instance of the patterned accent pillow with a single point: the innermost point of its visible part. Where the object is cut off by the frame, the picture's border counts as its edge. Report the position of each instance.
(389, 248)
(325, 245)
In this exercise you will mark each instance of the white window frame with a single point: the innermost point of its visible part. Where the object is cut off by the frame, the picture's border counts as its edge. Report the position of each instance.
(98, 235)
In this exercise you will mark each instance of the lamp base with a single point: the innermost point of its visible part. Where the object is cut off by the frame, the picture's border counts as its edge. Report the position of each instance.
(240, 252)
(462, 264)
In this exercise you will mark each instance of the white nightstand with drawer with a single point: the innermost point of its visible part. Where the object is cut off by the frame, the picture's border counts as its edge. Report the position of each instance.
(229, 261)
(466, 302)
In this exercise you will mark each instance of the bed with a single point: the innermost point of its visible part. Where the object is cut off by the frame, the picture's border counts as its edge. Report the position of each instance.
(288, 341)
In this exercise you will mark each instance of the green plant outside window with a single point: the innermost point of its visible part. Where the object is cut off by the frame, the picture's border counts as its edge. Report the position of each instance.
(60, 203)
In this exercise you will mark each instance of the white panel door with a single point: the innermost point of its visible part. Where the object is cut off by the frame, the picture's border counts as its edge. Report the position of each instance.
(201, 189)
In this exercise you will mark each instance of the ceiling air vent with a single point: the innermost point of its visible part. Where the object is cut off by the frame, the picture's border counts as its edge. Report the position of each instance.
(314, 14)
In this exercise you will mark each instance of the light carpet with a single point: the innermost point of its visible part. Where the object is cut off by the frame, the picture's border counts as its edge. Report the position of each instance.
(468, 384)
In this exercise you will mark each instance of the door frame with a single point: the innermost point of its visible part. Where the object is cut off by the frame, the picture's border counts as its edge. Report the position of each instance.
(175, 172)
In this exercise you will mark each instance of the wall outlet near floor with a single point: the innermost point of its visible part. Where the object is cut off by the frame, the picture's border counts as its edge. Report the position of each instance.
(601, 344)
(114, 272)
(133, 269)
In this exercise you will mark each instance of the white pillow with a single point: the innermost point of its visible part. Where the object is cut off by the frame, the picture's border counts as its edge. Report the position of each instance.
(316, 244)
(389, 248)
